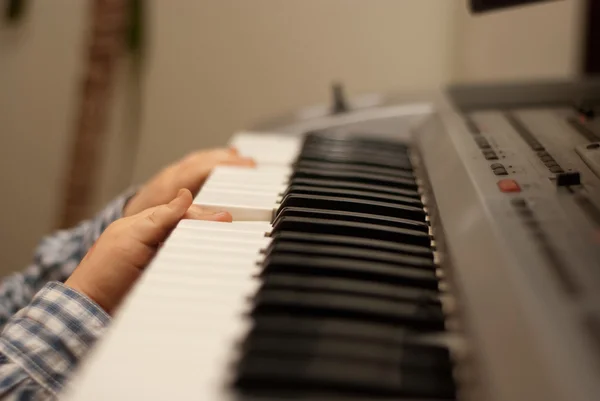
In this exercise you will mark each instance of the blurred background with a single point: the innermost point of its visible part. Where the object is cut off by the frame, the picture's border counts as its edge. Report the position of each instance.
(211, 67)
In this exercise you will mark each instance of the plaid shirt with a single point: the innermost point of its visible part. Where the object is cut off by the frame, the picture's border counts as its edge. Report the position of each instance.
(54, 326)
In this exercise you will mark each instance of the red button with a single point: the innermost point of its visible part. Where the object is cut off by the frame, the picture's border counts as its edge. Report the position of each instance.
(509, 186)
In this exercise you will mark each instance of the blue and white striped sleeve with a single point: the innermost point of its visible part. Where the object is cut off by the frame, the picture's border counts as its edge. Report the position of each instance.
(42, 344)
(55, 258)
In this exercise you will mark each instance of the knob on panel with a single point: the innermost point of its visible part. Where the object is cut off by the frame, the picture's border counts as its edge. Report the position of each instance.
(568, 179)
(340, 104)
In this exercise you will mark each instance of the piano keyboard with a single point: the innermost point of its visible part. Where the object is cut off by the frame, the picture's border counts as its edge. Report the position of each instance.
(461, 267)
(324, 285)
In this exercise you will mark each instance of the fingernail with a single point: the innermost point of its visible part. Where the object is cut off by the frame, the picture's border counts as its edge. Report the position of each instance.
(223, 216)
(196, 210)
(180, 193)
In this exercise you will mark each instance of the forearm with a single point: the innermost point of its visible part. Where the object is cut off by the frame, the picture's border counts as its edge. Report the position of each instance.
(42, 344)
(55, 258)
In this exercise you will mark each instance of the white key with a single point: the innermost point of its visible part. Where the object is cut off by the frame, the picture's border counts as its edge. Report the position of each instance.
(241, 206)
(173, 341)
(274, 176)
(199, 238)
(215, 236)
(267, 148)
(177, 245)
(258, 171)
(188, 309)
(254, 227)
(245, 186)
(232, 190)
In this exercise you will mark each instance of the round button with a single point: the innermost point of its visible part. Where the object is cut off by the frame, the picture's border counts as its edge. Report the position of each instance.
(508, 186)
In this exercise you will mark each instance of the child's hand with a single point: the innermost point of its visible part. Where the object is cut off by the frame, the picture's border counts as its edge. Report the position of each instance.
(119, 257)
(190, 173)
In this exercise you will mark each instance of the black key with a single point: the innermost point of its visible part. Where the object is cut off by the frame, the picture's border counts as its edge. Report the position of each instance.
(350, 152)
(349, 287)
(355, 140)
(374, 179)
(357, 156)
(359, 243)
(355, 185)
(292, 247)
(351, 216)
(392, 172)
(362, 230)
(425, 316)
(306, 375)
(353, 205)
(352, 193)
(372, 332)
(318, 266)
(360, 158)
(335, 145)
(405, 356)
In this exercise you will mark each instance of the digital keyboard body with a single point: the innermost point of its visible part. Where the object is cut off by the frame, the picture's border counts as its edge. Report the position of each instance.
(444, 249)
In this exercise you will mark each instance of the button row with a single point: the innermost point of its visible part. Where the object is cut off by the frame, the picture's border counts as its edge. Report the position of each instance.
(549, 162)
(524, 132)
(534, 144)
(498, 169)
(480, 140)
(490, 155)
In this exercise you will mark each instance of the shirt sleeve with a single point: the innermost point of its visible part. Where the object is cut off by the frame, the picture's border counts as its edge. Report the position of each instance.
(42, 344)
(56, 257)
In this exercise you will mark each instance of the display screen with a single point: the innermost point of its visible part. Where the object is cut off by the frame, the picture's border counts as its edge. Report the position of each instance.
(489, 5)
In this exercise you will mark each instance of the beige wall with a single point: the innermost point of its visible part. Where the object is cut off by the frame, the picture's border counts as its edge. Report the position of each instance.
(38, 61)
(218, 66)
(41, 62)
(537, 41)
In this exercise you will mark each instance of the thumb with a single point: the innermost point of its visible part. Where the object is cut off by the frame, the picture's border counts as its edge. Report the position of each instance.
(196, 212)
(155, 224)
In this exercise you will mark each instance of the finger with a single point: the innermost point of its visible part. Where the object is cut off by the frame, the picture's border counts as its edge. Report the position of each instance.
(193, 174)
(196, 212)
(222, 156)
(239, 161)
(153, 226)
